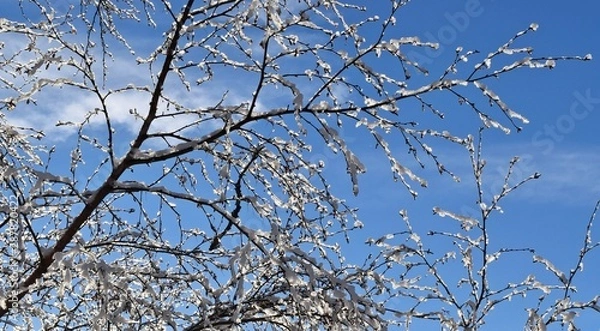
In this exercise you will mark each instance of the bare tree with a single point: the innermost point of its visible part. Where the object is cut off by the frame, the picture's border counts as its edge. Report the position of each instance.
(191, 198)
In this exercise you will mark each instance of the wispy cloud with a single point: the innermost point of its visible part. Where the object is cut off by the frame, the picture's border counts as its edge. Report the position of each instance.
(69, 104)
(569, 175)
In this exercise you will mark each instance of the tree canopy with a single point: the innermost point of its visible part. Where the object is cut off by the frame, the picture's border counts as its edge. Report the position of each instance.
(184, 189)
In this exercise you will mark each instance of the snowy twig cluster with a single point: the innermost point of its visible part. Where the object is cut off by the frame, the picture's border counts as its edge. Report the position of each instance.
(146, 219)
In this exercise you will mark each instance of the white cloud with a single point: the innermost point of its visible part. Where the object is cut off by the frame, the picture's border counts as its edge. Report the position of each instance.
(569, 175)
(69, 104)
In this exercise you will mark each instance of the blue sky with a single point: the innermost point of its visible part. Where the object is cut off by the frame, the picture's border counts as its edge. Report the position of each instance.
(561, 142)
(562, 104)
